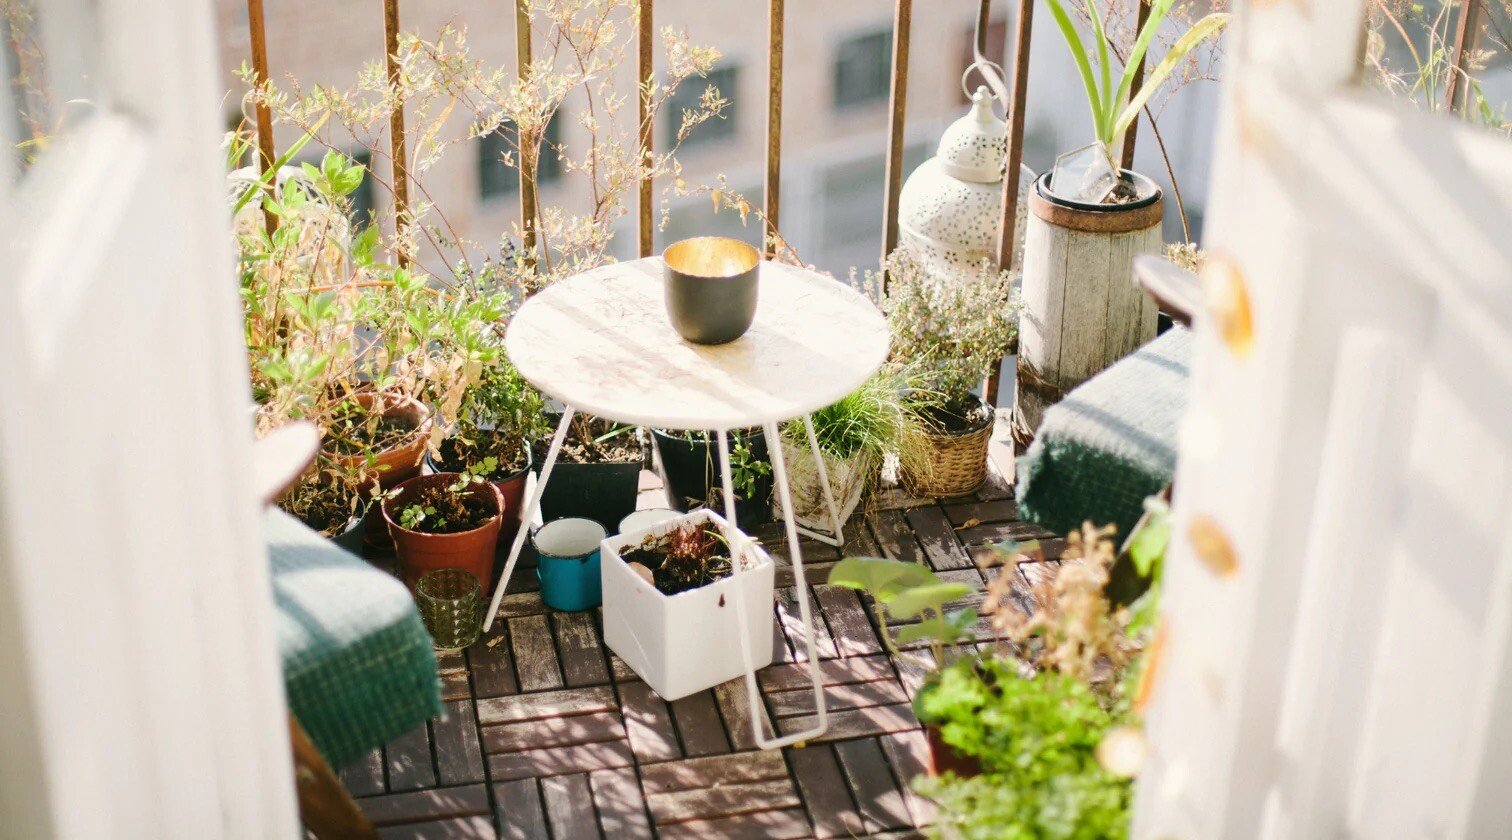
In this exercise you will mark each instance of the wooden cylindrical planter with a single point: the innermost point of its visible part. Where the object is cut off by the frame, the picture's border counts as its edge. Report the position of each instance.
(1082, 309)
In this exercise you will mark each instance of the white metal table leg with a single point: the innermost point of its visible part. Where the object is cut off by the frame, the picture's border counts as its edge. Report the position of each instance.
(836, 535)
(526, 512)
(753, 693)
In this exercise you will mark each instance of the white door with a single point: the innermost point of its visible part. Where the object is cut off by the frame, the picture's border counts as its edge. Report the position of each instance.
(1344, 671)
(140, 693)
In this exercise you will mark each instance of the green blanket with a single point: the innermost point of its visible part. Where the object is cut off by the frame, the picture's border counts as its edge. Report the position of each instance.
(358, 665)
(1110, 443)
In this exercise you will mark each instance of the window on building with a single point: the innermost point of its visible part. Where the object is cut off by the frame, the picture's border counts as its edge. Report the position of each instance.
(863, 67)
(496, 178)
(686, 98)
(364, 201)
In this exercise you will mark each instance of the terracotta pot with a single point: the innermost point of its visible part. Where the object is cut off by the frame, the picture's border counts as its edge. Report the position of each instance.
(511, 487)
(419, 552)
(943, 757)
(399, 463)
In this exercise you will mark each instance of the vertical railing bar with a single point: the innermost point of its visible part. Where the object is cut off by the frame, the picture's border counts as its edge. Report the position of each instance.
(526, 145)
(396, 128)
(771, 200)
(897, 108)
(645, 37)
(257, 28)
(1465, 39)
(1023, 29)
(1126, 159)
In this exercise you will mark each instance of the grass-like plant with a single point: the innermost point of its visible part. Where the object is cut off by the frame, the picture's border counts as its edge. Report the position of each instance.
(867, 423)
(1116, 106)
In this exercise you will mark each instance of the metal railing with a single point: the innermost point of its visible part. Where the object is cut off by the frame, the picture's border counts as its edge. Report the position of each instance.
(1464, 47)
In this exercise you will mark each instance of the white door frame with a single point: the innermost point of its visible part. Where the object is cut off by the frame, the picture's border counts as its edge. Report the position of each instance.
(140, 689)
(1352, 677)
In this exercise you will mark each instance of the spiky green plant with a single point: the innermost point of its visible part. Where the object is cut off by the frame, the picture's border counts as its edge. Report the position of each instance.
(1115, 107)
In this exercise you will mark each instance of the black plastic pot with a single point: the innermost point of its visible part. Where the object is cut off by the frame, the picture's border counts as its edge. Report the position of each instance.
(690, 468)
(350, 537)
(605, 493)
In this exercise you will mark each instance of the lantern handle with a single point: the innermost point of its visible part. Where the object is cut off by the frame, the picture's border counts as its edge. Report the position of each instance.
(993, 74)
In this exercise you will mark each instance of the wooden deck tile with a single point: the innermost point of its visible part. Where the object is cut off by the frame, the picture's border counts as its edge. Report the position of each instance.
(621, 804)
(699, 724)
(569, 807)
(534, 653)
(941, 545)
(711, 771)
(459, 828)
(459, 758)
(854, 669)
(856, 723)
(553, 732)
(556, 761)
(452, 668)
(492, 665)
(981, 513)
(763, 825)
(848, 622)
(409, 761)
(583, 661)
(908, 753)
(895, 537)
(876, 791)
(518, 808)
(838, 698)
(364, 777)
(722, 801)
(791, 622)
(424, 805)
(825, 794)
(649, 723)
(549, 704)
(735, 707)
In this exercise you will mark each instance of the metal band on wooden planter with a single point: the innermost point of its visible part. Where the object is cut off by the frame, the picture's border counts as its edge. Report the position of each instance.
(1100, 218)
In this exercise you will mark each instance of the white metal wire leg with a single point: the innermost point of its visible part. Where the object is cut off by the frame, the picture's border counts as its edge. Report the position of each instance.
(836, 535)
(526, 512)
(753, 693)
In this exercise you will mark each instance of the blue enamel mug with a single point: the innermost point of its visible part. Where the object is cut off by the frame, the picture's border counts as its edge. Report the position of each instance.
(567, 552)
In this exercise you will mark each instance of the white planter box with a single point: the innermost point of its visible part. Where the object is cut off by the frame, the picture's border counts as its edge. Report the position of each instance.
(684, 643)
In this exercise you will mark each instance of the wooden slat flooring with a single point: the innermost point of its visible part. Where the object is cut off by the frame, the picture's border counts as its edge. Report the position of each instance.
(548, 734)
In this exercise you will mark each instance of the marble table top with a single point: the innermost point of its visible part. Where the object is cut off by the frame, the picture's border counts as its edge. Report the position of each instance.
(601, 343)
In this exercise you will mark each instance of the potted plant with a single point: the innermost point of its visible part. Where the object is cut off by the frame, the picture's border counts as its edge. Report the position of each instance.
(670, 598)
(854, 436)
(689, 464)
(1088, 220)
(444, 521)
(333, 501)
(500, 418)
(381, 433)
(912, 592)
(597, 474)
(949, 334)
(1052, 721)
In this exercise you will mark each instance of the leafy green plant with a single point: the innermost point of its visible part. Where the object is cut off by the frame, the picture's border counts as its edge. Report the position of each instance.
(946, 334)
(906, 591)
(745, 468)
(1114, 105)
(1037, 739)
(866, 423)
(444, 510)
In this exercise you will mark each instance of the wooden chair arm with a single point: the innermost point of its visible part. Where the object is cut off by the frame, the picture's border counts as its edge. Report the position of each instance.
(281, 457)
(1175, 290)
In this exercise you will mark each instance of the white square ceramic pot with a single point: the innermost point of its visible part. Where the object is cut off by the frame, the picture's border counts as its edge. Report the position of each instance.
(684, 643)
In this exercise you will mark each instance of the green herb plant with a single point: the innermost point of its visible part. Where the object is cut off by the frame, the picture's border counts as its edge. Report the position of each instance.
(443, 510)
(907, 591)
(1114, 103)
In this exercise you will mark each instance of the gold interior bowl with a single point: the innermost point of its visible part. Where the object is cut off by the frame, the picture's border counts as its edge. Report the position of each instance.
(711, 288)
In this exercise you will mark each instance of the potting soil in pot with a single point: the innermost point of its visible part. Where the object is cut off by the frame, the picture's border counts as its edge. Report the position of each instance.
(686, 558)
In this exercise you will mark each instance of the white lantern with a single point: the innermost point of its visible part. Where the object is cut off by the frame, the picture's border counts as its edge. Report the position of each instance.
(951, 206)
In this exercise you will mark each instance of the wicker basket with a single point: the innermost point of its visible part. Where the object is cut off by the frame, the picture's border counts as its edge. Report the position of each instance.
(957, 463)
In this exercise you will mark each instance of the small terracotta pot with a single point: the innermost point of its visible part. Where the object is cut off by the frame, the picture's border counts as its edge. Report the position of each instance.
(511, 487)
(402, 462)
(943, 757)
(419, 552)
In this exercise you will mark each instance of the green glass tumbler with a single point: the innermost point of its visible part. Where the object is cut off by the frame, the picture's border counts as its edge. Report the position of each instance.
(451, 605)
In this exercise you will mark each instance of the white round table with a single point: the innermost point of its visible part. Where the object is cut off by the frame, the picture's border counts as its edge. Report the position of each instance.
(600, 342)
